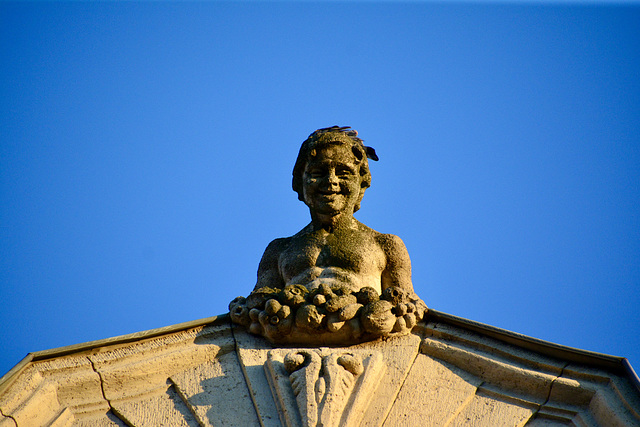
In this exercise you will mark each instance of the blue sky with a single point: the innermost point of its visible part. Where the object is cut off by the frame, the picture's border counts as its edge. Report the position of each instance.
(146, 152)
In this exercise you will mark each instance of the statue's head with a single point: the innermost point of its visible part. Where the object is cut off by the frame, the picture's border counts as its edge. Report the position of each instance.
(344, 143)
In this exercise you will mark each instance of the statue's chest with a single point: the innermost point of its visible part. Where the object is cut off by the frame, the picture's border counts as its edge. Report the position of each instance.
(347, 251)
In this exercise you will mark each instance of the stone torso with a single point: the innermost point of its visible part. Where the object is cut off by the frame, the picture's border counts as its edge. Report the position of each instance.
(351, 257)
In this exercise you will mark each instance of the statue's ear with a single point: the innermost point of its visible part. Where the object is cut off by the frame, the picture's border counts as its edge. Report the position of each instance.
(371, 153)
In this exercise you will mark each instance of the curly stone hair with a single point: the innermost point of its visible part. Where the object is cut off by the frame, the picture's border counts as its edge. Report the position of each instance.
(331, 136)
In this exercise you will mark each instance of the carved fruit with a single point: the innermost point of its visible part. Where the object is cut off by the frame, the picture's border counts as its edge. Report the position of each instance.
(319, 299)
(237, 301)
(395, 295)
(410, 319)
(294, 295)
(279, 324)
(325, 289)
(239, 314)
(263, 317)
(308, 317)
(401, 309)
(340, 290)
(377, 317)
(334, 323)
(337, 302)
(254, 314)
(367, 295)
(400, 325)
(272, 306)
(349, 312)
(421, 309)
(258, 297)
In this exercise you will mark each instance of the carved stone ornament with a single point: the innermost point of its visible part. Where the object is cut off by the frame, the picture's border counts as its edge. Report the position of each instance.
(329, 315)
(337, 281)
(330, 387)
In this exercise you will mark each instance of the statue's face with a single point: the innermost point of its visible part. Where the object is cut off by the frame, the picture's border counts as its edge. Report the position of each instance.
(331, 180)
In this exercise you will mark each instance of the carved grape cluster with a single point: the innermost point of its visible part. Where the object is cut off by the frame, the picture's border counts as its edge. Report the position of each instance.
(281, 315)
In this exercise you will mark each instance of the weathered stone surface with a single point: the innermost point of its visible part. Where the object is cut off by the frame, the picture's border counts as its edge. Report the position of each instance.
(322, 286)
(432, 393)
(108, 419)
(398, 356)
(31, 400)
(150, 362)
(554, 391)
(78, 374)
(163, 407)
(252, 354)
(217, 393)
(451, 374)
(64, 419)
(489, 411)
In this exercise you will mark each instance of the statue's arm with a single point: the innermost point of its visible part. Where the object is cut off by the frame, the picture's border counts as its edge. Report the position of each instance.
(397, 271)
(268, 270)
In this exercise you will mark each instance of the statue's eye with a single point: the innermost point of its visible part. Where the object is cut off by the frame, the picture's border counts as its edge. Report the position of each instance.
(344, 171)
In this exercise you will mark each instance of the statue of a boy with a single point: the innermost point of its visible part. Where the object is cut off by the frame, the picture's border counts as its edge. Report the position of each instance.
(336, 280)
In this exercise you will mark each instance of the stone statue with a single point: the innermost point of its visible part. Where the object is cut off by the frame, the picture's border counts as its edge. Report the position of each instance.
(336, 281)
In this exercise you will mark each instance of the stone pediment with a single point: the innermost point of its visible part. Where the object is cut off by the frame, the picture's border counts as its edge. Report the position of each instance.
(448, 371)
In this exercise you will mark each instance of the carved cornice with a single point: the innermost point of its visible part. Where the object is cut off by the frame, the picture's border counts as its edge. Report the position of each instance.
(443, 372)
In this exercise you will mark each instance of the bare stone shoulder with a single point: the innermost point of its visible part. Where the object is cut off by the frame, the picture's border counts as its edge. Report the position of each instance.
(268, 271)
(275, 248)
(392, 245)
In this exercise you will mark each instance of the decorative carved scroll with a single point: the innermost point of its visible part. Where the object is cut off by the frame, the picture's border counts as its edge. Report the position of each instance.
(322, 383)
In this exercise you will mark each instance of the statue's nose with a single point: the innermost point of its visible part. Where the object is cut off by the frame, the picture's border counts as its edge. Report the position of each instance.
(332, 179)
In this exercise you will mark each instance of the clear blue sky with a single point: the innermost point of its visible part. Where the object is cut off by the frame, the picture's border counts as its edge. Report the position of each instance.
(146, 153)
